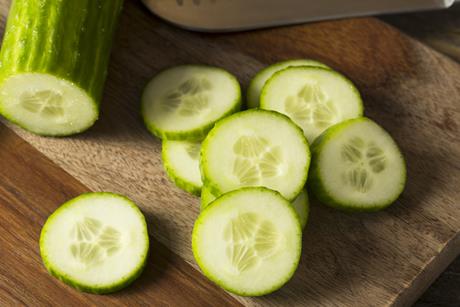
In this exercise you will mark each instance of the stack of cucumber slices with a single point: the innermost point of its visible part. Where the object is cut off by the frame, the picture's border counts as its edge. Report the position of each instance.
(251, 167)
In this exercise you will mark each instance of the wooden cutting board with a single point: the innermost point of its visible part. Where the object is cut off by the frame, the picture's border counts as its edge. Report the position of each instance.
(348, 259)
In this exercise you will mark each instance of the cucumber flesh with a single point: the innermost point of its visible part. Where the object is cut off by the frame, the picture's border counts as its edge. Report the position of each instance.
(258, 82)
(314, 98)
(302, 207)
(184, 102)
(46, 105)
(255, 148)
(53, 63)
(97, 242)
(207, 197)
(357, 166)
(181, 160)
(248, 241)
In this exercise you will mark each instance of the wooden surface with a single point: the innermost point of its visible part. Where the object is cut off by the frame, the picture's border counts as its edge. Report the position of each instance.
(348, 259)
(31, 188)
(441, 31)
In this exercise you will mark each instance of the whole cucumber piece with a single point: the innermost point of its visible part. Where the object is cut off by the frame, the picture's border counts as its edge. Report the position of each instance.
(53, 63)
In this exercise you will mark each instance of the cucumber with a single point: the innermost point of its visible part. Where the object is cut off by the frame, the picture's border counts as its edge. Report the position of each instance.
(357, 166)
(206, 197)
(258, 82)
(248, 241)
(96, 242)
(181, 160)
(53, 63)
(184, 102)
(255, 148)
(302, 207)
(300, 204)
(314, 98)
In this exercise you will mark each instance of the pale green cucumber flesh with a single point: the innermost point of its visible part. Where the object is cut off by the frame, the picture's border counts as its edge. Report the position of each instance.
(184, 102)
(53, 63)
(357, 166)
(248, 241)
(255, 148)
(96, 242)
(258, 82)
(207, 197)
(181, 160)
(314, 98)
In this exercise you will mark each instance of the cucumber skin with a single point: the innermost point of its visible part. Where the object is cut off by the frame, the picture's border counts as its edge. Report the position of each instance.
(212, 187)
(316, 184)
(214, 280)
(179, 182)
(197, 134)
(207, 197)
(69, 39)
(77, 285)
(251, 101)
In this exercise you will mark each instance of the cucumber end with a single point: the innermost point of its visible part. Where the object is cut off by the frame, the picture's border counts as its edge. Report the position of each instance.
(46, 105)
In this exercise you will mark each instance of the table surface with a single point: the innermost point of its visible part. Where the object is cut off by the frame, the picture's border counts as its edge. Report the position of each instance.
(441, 31)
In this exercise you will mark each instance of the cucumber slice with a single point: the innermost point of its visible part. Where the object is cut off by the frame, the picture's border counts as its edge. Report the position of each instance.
(357, 166)
(258, 82)
(314, 98)
(184, 102)
(181, 160)
(302, 206)
(206, 197)
(96, 242)
(255, 148)
(248, 241)
(54, 62)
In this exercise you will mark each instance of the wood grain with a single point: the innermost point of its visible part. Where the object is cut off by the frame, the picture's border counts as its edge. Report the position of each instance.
(348, 259)
(31, 187)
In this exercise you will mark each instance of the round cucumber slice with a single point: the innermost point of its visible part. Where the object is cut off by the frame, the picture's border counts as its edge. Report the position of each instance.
(206, 197)
(248, 241)
(357, 166)
(96, 242)
(257, 83)
(184, 102)
(302, 206)
(181, 160)
(255, 148)
(47, 105)
(314, 98)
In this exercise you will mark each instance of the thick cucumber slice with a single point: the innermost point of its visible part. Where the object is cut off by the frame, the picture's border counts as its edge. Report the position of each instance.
(97, 242)
(248, 241)
(314, 98)
(181, 160)
(184, 102)
(207, 197)
(302, 206)
(357, 166)
(258, 82)
(255, 148)
(53, 63)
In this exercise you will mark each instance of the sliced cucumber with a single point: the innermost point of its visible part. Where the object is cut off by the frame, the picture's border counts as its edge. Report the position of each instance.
(248, 241)
(314, 98)
(255, 148)
(53, 63)
(302, 207)
(258, 82)
(181, 160)
(96, 242)
(206, 197)
(184, 102)
(357, 166)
